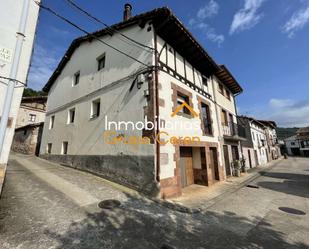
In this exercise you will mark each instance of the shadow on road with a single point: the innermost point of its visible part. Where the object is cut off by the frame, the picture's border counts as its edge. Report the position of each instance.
(138, 225)
(293, 184)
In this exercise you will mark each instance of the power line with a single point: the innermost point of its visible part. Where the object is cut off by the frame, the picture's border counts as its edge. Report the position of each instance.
(106, 25)
(86, 32)
(15, 80)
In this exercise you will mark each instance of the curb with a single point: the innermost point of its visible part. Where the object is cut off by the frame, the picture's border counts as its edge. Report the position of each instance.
(2, 177)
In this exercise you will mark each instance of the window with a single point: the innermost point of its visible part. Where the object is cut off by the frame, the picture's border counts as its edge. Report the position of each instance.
(204, 81)
(32, 117)
(228, 94)
(181, 98)
(64, 149)
(51, 122)
(49, 148)
(101, 62)
(76, 78)
(95, 108)
(292, 143)
(25, 132)
(253, 136)
(206, 119)
(224, 119)
(71, 116)
(221, 88)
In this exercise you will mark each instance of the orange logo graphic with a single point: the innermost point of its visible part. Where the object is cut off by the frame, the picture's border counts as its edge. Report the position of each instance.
(184, 105)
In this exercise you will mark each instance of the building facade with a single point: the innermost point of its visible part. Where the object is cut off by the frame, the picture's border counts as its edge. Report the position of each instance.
(292, 146)
(102, 102)
(31, 111)
(10, 22)
(303, 138)
(254, 149)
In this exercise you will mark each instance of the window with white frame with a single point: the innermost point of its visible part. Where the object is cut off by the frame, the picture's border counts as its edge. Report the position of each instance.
(71, 116)
(32, 117)
(51, 122)
(101, 62)
(95, 108)
(64, 149)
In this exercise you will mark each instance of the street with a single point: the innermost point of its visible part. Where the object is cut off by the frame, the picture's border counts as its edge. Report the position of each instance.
(45, 205)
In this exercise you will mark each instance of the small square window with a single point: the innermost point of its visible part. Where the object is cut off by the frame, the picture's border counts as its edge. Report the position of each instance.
(71, 116)
(64, 149)
(221, 88)
(49, 148)
(76, 78)
(32, 117)
(204, 81)
(51, 122)
(228, 94)
(95, 108)
(101, 62)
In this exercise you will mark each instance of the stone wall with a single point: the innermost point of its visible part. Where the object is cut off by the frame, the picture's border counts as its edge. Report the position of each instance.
(137, 172)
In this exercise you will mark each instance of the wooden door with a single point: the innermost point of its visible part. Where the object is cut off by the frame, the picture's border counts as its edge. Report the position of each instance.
(227, 160)
(186, 166)
(214, 163)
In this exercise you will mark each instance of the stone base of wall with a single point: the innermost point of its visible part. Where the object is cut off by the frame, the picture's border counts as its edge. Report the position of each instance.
(137, 172)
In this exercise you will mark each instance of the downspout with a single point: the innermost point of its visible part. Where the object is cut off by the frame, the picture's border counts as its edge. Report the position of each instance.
(156, 83)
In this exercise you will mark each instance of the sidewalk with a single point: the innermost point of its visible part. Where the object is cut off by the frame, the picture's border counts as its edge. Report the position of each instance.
(200, 197)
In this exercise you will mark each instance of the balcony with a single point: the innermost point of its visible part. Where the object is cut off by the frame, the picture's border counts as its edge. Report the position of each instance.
(233, 131)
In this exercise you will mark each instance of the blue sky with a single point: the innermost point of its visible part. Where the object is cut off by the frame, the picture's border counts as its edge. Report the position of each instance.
(264, 43)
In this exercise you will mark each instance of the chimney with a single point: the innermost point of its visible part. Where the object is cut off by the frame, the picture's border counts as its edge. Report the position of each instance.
(127, 12)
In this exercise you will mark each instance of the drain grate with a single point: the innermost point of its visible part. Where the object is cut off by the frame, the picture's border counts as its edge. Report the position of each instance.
(292, 210)
(252, 186)
(109, 204)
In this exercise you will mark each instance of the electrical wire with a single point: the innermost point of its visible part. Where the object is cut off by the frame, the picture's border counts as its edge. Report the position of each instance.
(15, 80)
(72, 3)
(86, 32)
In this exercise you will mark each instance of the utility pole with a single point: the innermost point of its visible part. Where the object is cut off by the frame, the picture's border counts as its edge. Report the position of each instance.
(13, 73)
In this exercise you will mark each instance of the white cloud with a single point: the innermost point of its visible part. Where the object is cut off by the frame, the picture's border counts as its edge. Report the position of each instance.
(289, 113)
(209, 10)
(42, 66)
(297, 21)
(247, 17)
(199, 22)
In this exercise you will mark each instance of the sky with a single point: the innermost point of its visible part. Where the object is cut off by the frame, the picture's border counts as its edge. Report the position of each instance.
(264, 43)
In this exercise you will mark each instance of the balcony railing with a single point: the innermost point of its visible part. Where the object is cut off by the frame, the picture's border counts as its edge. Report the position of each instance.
(232, 129)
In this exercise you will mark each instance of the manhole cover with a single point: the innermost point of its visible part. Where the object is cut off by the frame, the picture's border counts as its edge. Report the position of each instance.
(292, 210)
(252, 186)
(109, 204)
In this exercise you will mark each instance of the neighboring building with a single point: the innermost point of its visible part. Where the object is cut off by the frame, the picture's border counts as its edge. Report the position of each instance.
(292, 146)
(254, 149)
(303, 138)
(179, 88)
(27, 139)
(10, 23)
(273, 146)
(31, 111)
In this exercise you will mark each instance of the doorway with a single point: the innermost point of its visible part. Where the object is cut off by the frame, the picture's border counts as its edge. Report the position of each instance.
(249, 157)
(213, 160)
(256, 158)
(227, 160)
(235, 153)
(186, 166)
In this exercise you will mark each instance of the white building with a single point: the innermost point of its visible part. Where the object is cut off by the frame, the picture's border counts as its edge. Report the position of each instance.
(254, 149)
(10, 18)
(94, 84)
(292, 145)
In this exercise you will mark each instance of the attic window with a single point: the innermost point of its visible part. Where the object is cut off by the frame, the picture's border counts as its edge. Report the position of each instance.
(204, 81)
(101, 62)
(76, 78)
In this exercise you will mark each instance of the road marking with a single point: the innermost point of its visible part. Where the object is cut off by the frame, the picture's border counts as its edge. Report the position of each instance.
(78, 195)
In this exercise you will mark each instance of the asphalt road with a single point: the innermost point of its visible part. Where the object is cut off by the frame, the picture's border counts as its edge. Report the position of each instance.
(44, 205)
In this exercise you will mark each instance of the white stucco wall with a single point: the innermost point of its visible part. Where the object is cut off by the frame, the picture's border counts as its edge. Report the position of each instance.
(23, 117)
(118, 102)
(9, 23)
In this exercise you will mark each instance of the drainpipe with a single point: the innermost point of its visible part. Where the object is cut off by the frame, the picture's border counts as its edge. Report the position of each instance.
(13, 73)
(157, 108)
